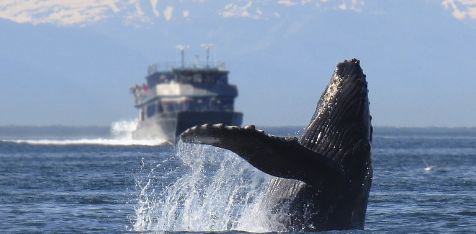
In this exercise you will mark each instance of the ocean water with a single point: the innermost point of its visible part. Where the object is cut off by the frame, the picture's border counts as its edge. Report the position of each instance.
(66, 179)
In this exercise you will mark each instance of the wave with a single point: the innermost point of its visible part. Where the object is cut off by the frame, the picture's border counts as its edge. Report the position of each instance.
(96, 141)
(120, 135)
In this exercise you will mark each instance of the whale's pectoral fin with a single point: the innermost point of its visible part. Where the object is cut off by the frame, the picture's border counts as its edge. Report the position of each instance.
(277, 156)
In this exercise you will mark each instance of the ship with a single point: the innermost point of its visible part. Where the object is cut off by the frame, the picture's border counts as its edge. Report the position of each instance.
(175, 98)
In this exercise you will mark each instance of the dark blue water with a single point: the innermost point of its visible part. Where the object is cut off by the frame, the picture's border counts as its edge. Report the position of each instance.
(424, 181)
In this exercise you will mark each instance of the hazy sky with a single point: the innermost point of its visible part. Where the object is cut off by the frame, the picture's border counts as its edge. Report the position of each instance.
(72, 62)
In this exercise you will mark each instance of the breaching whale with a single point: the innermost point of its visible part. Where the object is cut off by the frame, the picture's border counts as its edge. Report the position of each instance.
(324, 177)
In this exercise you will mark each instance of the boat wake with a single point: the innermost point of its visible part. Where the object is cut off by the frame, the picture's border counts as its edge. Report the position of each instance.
(120, 135)
(96, 141)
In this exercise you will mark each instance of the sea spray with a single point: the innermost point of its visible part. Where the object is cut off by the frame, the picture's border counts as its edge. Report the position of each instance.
(123, 129)
(202, 188)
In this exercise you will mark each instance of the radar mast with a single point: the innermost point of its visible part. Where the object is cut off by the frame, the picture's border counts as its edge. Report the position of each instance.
(207, 46)
(182, 49)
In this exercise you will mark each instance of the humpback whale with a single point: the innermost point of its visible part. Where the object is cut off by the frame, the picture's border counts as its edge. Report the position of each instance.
(323, 179)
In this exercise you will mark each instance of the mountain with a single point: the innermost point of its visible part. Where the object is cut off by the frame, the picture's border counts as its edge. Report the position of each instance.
(73, 64)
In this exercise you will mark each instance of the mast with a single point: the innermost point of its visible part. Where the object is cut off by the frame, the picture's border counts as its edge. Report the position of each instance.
(207, 46)
(182, 49)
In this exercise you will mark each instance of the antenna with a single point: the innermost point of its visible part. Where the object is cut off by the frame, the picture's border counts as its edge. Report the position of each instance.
(182, 49)
(207, 47)
(197, 61)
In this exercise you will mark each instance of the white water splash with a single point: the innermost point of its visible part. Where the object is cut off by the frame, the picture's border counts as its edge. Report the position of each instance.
(121, 134)
(123, 129)
(210, 189)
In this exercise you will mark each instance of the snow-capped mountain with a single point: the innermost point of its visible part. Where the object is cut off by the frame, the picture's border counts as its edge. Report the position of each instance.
(81, 12)
(136, 11)
(72, 62)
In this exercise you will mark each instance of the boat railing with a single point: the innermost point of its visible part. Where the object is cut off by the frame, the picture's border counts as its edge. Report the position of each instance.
(140, 93)
(169, 66)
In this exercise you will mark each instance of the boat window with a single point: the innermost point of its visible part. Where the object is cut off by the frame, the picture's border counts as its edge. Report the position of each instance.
(226, 104)
(197, 78)
(223, 79)
(150, 110)
(163, 79)
(160, 109)
(185, 79)
(187, 104)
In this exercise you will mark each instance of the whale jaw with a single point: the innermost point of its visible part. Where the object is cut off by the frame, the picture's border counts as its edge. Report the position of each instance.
(342, 115)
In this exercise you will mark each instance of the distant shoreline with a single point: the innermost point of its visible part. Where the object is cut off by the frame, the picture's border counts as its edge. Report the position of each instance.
(59, 126)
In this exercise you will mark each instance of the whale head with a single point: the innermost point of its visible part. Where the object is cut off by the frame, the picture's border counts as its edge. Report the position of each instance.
(342, 117)
(341, 130)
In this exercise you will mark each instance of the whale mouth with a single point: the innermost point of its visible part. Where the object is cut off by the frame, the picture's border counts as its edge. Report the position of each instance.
(350, 70)
(347, 82)
(342, 115)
